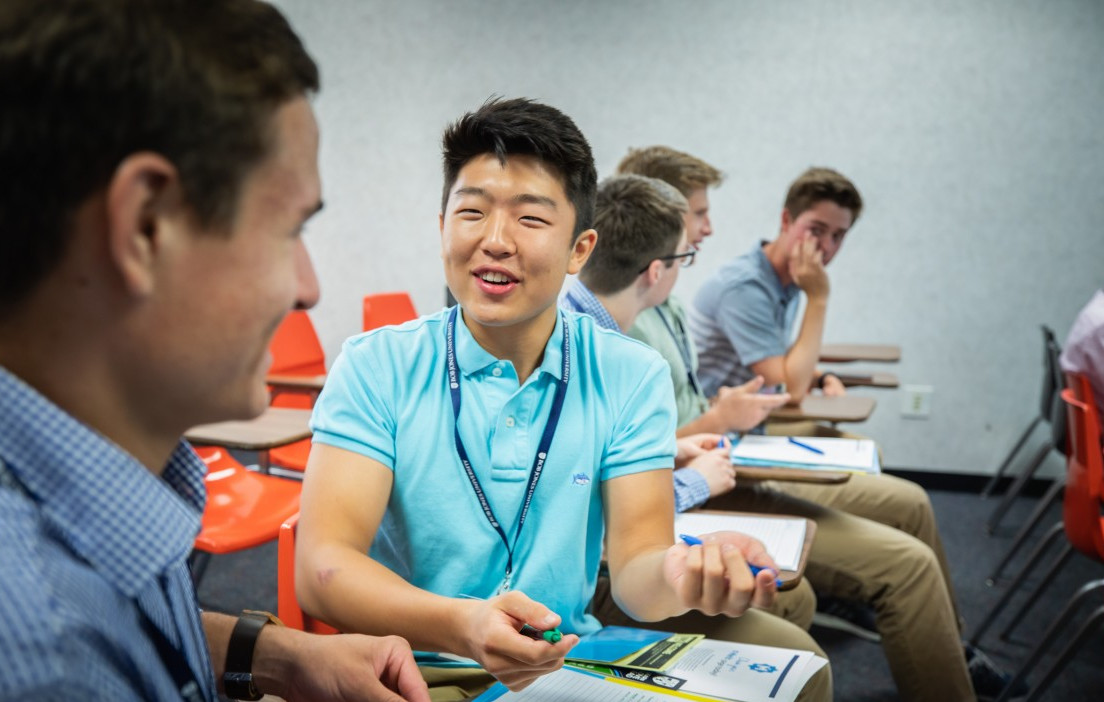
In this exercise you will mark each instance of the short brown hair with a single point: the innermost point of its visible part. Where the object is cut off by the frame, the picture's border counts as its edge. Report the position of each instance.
(86, 83)
(685, 172)
(817, 184)
(638, 219)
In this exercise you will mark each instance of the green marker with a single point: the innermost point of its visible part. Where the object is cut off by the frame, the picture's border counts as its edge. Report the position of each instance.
(551, 636)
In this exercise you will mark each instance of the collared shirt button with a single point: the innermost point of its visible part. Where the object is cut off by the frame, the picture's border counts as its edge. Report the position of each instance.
(510, 422)
(496, 371)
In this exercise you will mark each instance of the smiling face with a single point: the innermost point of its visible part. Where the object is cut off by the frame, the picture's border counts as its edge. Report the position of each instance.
(825, 221)
(506, 242)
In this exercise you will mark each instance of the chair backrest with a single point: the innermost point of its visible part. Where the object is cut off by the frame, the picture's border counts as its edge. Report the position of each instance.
(1052, 374)
(287, 604)
(1081, 508)
(295, 347)
(296, 350)
(217, 459)
(382, 309)
(1058, 416)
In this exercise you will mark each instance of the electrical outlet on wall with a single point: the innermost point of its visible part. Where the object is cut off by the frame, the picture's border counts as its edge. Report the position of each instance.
(916, 401)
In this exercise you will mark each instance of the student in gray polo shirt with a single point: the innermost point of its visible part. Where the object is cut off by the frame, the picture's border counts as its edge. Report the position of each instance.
(742, 317)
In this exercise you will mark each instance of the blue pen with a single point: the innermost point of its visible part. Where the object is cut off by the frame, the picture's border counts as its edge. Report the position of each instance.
(721, 443)
(807, 447)
(695, 541)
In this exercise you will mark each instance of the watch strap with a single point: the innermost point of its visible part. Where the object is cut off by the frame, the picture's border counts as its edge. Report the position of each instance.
(237, 680)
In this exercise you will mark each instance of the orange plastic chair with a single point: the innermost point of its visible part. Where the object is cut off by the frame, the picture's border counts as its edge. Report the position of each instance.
(295, 351)
(382, 309)
(287, 604)
(1083, 525)
(244, 509)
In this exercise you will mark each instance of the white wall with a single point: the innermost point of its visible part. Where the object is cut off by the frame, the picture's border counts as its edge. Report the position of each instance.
(972, 130)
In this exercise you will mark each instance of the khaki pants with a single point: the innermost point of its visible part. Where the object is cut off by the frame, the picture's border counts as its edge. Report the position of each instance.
(900, 504)
(454, 684)
(877, 543)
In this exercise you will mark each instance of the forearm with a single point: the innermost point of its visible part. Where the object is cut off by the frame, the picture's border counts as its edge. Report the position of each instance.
(640, 589)
(801, 359)
(218, 628)
(273, 655)
(354, 593)
(708, 422)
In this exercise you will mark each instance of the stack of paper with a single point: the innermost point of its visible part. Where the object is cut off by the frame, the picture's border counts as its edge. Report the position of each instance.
(810, 453)
(676, 666)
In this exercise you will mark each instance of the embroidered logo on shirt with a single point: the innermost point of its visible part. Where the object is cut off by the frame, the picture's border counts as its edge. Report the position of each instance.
(580, 479)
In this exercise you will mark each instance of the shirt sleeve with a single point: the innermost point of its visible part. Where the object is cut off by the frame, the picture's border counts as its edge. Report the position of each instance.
(353, 412)
(747, 317)
(691, 489)
(643, 437)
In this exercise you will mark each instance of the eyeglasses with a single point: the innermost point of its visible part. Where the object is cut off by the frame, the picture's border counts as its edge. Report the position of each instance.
(687, 259)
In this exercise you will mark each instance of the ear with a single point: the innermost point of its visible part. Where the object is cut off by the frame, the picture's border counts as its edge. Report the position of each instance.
(786, 220)
(581, 250)
(653, 272)
(143, 194)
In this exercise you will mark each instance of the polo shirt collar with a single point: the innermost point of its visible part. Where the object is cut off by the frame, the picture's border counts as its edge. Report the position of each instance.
(96, 498)
(784, 292)
(473, 358)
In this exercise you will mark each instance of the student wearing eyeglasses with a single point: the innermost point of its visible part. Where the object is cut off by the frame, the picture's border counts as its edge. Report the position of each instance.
(877, 541)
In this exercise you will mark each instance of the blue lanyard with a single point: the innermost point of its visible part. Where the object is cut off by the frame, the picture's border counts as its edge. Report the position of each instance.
(542, 449)
(684, 350)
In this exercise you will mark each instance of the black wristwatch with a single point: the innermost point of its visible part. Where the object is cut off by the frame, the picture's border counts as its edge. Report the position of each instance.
(237, 680)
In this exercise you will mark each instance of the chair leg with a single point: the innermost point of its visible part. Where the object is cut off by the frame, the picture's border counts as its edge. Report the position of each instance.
(1042, 585)
(1072, 647)
(1036, 516)
(1049, 637)
(992, 484)
(198, 560)
(1054, 533)
(1017, 487)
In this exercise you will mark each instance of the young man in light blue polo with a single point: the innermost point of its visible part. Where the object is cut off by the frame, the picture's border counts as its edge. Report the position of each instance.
(466, 465)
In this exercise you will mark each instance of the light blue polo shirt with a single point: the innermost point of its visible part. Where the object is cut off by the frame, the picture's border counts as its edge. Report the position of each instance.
(740, 316)
(387, 398)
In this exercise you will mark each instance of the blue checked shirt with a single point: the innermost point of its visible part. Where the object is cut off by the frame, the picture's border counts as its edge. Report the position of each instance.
(89, 541)
(691, 489)
(579, 298)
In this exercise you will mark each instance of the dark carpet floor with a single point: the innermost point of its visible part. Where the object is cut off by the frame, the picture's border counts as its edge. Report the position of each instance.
(248, 580)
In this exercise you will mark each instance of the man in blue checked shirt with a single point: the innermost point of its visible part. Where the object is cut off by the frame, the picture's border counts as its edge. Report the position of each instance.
(160, 159)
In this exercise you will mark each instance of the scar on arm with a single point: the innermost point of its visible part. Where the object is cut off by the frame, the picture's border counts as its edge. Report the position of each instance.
(326, 575)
